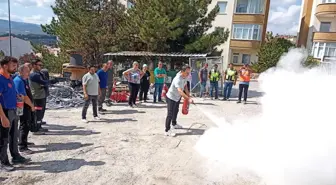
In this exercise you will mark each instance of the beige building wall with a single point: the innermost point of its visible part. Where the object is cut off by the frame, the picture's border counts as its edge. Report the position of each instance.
(235, 49)
(320, 43)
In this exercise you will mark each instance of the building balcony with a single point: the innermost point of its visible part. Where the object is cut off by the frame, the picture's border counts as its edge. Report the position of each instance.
(326, 10)
(248, 18)
(251, 45)
(324, 37)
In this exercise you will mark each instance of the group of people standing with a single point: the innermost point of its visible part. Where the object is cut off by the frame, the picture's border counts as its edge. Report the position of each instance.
(230, 77)
(23, 93)
(140, 80)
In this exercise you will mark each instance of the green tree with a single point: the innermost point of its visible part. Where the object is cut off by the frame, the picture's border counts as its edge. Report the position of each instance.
(2, 53)
(270, 52)
(86, 26)
(311, 62)
(269, 36)
(50, 61)
(171, 26)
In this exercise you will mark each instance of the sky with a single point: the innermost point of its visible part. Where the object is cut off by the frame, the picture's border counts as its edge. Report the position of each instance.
(283, 18)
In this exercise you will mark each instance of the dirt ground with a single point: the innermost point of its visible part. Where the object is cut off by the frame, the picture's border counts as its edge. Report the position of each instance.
(126, 147)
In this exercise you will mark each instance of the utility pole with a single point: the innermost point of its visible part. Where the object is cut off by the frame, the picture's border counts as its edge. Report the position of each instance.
(10, 29)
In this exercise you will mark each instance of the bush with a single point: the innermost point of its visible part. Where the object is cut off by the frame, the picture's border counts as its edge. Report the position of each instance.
(311, 62)
(270, 52)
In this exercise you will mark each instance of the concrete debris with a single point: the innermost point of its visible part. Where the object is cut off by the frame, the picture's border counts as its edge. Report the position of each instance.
(62, 95)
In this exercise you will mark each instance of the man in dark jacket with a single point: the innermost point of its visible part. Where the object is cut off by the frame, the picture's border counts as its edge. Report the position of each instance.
(37, 85)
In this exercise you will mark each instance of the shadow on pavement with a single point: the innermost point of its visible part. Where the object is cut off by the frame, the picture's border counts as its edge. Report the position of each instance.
(131, 111)
(200, 103)
(250, 93)
(60, 146)
(61, 127)
(57, 166)
(3, 179)
(75, 132)
(105, 120)
(156, 106)
(191, 131)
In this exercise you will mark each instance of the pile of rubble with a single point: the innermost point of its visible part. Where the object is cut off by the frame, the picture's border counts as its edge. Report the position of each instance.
(62, 95)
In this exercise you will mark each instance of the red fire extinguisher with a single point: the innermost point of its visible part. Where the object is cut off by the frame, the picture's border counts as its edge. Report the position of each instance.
(164, 91)
(185, 107)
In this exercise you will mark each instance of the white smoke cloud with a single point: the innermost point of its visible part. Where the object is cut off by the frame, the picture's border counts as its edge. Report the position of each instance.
(293, 140)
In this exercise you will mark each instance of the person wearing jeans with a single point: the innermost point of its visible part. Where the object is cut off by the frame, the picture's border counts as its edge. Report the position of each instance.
(22, 88)
(159, 77)
(244, 78)
(230, 78)
(203, 76)
(214, 76)
(133, 77)
(9, 121)
(91, 92)
(177, 90)
(103, 77)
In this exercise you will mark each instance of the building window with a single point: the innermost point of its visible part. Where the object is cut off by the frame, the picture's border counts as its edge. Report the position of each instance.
(328, 1)
(325, 26)
(129, 4)
(222, 7)
(250, 6)
(246, 59)
(321, 49)
(246, 31)
(235, 58)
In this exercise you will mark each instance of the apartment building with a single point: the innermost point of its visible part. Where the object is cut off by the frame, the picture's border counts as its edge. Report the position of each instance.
(247, 22)
(317, 31)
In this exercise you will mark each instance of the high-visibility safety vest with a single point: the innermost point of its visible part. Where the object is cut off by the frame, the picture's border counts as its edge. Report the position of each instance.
(230, 74)
(245, 75)
(214, 75)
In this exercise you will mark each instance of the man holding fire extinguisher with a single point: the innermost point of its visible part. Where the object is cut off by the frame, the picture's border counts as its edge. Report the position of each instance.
(174, 94)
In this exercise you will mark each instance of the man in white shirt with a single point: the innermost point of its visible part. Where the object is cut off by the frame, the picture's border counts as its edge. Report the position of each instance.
(174, 94)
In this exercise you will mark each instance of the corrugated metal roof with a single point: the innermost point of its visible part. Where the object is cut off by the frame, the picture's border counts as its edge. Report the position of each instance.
(145, 53)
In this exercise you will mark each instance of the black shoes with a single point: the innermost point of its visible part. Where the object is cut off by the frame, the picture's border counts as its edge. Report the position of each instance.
(26, 151)
(43, 130)
(6, 167)
(20, 160)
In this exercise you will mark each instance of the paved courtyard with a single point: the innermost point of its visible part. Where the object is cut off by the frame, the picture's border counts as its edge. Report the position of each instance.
(126, 147)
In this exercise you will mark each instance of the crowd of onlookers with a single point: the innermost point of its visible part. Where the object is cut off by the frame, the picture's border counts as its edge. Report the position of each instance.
(230, 77)
(23, 93)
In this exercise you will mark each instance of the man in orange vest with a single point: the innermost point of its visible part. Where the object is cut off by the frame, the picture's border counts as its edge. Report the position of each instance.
(244, 78)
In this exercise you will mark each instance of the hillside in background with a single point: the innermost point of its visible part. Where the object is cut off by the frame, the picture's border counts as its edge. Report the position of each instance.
(20, 28)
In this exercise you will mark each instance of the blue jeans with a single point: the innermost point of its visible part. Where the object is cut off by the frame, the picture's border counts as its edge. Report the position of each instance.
(214, 85)
(203, 86)
(227, 89)
(158, 91)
